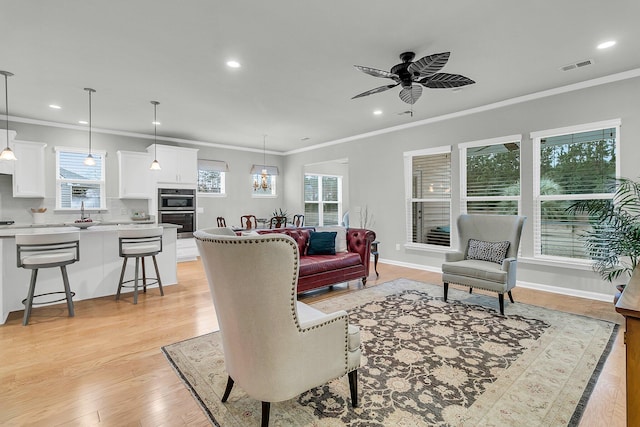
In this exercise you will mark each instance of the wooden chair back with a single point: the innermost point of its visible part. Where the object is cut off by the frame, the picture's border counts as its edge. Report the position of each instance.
(221, 221)
(298, 220)
(278, 222)
(248, 222)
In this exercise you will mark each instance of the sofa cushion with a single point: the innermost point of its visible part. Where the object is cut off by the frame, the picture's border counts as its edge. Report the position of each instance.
(341, 236)
(487, 251)
(322, 243)
(484, 270)
(312, 264)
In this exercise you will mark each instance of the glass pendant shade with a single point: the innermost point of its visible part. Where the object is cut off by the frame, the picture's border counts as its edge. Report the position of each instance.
(155, 165)
(7, 153)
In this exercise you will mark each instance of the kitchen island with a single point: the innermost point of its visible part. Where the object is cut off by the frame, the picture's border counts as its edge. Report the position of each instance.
(96, 274)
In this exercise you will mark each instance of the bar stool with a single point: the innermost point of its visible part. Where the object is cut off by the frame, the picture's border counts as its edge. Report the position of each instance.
(36, 251)
(139, 243)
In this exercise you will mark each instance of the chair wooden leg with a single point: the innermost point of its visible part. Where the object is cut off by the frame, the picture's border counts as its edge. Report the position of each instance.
(266, 407)
(155, 264)
(353, 387)
(501, 303)
(124, 267)
(67, 290)
(470, 290)
(28, 303)
(446, 290)
(227, 390)
(510, 296)
(364, 281)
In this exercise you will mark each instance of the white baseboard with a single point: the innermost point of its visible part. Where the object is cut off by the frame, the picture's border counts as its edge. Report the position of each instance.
(529, 285)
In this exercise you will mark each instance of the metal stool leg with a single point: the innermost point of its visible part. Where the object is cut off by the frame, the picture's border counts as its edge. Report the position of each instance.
(67, 290)
(144, 276)
(124, 267)
(155, 264)
(29, 301)
(135, 283)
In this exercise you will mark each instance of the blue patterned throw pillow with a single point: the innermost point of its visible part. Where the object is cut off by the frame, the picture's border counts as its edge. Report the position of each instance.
(487, 251)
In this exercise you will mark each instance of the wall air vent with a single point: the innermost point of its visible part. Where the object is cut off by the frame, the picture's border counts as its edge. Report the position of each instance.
(575, 65)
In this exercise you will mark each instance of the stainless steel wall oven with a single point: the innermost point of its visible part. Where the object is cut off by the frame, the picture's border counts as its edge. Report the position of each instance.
(178, 206)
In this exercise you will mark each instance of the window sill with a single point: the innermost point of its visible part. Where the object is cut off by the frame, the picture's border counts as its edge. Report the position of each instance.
(427, 248)
(264, 196)
(214, 195)
(575, 264)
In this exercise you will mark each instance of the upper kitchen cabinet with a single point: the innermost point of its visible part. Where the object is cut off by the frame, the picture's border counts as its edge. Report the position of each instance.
(28, 175)
(134, 176)
(178, 165)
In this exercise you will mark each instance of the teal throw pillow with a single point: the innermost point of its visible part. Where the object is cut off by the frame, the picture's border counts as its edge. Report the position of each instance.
(322, 243)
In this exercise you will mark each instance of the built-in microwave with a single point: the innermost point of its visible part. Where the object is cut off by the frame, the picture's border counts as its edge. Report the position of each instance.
(176, 199)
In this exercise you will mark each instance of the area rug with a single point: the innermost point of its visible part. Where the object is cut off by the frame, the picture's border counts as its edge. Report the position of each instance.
(427, 362)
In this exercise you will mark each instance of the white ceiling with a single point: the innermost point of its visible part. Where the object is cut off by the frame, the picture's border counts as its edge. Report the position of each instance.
(297, 57)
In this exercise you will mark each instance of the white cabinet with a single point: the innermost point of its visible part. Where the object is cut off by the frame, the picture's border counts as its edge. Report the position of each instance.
(28, 175)
(177, 164)
(134, 175)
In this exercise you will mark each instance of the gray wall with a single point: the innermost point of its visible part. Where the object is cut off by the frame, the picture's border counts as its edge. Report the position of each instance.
(377, 175)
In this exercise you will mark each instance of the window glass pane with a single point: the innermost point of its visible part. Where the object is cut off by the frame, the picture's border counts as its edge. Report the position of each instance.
(266, 186)
(431, 176)
(498, 207)
(311, 188)
(330, 189)
(579, 163)
(73, 194)
(311, 214)
(494, 170)
(330, 214)
(560, 230)
(210, 182)
(431, 223)
(72, 167)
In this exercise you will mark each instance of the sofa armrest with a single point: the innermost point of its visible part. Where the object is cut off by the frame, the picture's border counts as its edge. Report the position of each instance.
(359, 241)
(453, 256)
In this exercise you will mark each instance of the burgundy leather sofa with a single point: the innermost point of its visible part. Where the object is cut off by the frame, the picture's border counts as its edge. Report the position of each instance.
(317, 271)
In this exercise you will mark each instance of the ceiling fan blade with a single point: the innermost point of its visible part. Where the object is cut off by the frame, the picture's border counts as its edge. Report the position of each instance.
(376, 90)
(428, 65)
(411, 94)
(377, 73)
(445, 80)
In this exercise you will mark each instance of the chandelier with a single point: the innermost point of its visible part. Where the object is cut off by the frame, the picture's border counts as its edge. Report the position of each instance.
(264, 176)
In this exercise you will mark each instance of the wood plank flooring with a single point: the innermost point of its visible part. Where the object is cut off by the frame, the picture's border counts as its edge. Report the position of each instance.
(104, 366)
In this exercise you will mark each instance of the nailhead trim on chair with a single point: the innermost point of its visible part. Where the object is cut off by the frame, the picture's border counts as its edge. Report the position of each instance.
(294, 247)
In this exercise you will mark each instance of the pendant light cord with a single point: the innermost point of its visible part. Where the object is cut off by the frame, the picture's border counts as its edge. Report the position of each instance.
(6, 104)
(90, 121)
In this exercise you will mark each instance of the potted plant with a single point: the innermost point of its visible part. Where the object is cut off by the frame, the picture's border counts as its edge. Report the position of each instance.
(613, 243)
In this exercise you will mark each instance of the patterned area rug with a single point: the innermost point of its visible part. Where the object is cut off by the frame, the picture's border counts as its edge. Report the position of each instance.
(429, 363)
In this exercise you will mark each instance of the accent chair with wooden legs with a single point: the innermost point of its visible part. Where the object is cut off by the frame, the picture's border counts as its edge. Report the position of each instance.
(487, 255)
(275, 347)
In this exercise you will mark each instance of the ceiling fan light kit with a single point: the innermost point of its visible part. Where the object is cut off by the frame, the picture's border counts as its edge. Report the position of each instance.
(412, 76)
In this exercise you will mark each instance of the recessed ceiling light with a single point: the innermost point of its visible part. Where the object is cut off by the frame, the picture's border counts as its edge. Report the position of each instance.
(377, 112)
(305, 138)
(606, 44)
(55, 107)
(233, 64)
(156, 123)
(83, 122)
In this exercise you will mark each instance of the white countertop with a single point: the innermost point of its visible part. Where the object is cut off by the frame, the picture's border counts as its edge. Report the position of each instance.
(8, 231)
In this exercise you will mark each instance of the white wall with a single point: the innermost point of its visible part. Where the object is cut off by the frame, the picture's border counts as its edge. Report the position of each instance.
(376, 169)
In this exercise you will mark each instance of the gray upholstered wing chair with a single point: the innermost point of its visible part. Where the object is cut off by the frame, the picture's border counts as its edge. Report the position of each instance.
(275, 347)
(483, 259)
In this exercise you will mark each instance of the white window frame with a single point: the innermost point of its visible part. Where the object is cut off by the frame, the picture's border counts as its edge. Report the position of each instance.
(223, 178)
(408, 185)
(537, 137)
(101, 182)
(464, 198)
(321, 202)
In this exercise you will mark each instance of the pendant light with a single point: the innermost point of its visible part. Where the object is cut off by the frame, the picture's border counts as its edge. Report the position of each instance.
(7, 153)
(155, 165)
(89, 160)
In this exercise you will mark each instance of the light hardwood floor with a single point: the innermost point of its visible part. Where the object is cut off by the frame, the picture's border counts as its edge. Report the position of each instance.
(104, 366)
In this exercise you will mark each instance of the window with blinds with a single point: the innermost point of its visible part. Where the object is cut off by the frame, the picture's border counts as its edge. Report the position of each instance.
(578, 163)
(429, 210)
(211, 177)
(77, 183)
(322, 200)
(491, 176)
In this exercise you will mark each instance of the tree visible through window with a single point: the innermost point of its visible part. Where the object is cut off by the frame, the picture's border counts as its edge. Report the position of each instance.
(77, 183)
(322, 200)
(576, 165)
(211, 177)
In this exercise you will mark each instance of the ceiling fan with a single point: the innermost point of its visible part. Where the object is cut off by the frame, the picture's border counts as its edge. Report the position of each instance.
(413, 75)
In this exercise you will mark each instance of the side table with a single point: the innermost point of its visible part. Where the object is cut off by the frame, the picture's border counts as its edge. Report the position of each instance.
(374, 252)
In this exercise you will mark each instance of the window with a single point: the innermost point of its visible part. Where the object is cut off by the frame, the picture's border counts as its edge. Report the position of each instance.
(428, 193)
(264, 180)
(490, 176)
(77, 183)
(575, 163)
(322, 200)
(211, 177)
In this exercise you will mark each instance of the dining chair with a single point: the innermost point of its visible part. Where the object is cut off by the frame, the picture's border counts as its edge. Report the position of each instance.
(248, 222)
(298, 220)
(278, 222)
(221, 221)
